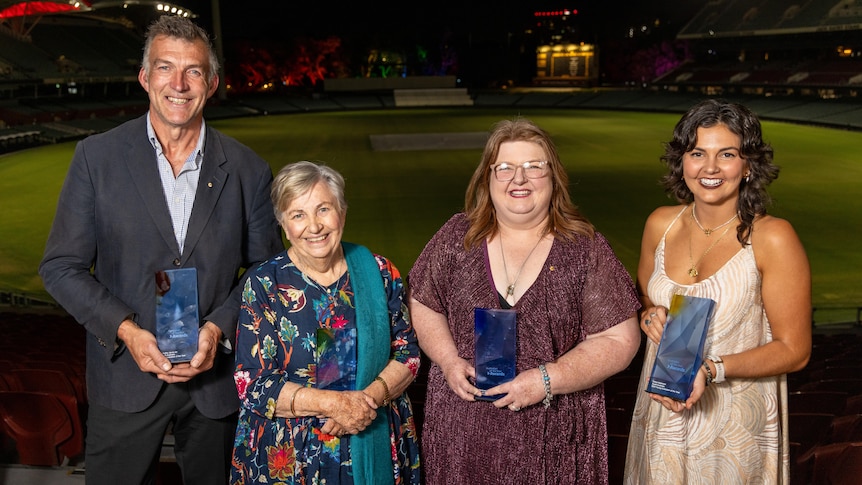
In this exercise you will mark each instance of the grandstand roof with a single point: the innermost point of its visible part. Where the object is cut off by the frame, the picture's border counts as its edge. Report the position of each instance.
(21, 8)
(743, 18)
(35, 8)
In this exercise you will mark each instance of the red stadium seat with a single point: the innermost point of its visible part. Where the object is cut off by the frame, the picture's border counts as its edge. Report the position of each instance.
(829, 402)
(850, 386)
(809, 429)
(854, 405)
(39, 424)
(847, 468)
(56, 383)
(69, 369)
(846, 428)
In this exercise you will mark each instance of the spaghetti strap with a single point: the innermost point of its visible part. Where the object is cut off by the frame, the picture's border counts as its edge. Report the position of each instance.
(673, 222)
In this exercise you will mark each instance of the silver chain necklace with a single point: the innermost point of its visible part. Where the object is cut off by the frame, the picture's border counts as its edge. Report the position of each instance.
(510, 288)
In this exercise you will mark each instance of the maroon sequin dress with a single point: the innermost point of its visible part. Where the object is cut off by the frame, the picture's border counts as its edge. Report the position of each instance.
(582, 289)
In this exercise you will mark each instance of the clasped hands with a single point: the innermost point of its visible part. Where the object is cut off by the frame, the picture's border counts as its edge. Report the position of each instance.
(346, 412)
(145, 350)
(526, 389)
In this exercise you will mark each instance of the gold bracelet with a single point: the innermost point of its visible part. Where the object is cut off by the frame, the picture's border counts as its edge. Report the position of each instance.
(293, 401)
(386, 397)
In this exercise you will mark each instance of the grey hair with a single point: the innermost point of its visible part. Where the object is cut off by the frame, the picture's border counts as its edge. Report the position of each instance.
(297, 178)
(179, 28)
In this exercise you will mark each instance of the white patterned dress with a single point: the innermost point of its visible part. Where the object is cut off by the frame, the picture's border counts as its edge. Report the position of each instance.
(736, 433)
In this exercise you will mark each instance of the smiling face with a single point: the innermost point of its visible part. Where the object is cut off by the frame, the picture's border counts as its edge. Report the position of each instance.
(313, 224)
(521, 200)
(714, 168)
(178, 82)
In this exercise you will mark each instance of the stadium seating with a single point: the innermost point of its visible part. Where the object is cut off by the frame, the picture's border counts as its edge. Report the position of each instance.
(54, 367)
(38, 423)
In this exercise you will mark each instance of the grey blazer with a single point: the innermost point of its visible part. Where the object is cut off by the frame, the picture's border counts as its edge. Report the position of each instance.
(113, 231)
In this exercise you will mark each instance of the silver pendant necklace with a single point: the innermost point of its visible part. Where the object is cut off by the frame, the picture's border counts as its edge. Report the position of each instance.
(510, 288)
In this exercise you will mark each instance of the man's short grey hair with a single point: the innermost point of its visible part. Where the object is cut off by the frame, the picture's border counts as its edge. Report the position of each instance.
(179, 28)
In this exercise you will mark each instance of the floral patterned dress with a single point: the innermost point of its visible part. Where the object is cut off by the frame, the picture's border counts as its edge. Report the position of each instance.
(276, 342)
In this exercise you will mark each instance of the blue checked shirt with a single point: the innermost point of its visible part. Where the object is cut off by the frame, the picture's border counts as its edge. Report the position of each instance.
(179, 190)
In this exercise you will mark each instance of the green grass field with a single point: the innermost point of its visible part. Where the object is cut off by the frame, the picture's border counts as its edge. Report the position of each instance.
(397, 200)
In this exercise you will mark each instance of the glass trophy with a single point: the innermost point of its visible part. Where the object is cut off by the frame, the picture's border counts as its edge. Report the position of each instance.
(336, 359)
(496, 338)
(177, 318)
(680, 350)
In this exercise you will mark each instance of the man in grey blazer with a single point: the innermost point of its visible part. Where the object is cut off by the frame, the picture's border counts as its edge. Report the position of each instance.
(160, 192)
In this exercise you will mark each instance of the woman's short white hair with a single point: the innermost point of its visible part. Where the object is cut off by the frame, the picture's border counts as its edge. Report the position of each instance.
(297, 178)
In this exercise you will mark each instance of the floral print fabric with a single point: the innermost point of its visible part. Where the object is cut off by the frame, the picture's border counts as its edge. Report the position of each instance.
(276, 342)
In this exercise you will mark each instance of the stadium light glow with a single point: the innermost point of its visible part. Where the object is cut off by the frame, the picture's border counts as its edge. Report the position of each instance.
(556, 13)
(172, 9)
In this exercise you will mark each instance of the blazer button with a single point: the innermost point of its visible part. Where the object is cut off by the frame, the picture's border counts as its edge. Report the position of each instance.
(177, 262)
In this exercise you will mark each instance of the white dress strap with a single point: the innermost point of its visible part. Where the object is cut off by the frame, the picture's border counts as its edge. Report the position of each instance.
(673, 222)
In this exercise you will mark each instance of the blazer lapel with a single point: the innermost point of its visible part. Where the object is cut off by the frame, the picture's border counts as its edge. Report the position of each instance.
(142, 166)
(210, 186)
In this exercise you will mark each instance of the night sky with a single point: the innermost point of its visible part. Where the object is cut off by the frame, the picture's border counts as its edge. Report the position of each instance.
(287, 18)
(489, 38)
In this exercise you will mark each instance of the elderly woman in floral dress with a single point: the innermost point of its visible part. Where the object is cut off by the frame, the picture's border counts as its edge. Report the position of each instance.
(325, 352)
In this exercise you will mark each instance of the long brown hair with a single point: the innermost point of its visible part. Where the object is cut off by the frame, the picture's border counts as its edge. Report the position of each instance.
(564, 221)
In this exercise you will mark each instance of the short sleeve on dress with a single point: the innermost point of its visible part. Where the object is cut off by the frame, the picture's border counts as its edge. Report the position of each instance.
(609, 292)
(429, 277)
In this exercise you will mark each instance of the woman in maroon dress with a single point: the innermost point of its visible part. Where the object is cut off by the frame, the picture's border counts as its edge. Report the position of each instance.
(521, 244)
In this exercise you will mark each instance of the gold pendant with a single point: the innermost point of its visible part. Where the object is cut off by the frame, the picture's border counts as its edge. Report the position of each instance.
(510, 290)
(693, 272)
(707, 231)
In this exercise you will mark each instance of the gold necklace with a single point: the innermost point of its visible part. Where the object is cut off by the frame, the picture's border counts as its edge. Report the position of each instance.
(316, 276)
(705, 230)
(510, 289)
(692, 271)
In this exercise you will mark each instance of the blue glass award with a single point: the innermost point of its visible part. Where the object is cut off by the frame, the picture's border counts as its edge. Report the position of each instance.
(496, 339)
(177, 319)
(336, 359)
(680, 350)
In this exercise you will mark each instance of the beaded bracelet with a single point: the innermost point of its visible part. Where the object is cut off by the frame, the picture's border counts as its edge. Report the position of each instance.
(546, 382)
(293, 401)
(709, 378)
(386, 397)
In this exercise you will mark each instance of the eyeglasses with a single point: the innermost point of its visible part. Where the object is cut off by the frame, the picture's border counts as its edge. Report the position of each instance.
(533, 169)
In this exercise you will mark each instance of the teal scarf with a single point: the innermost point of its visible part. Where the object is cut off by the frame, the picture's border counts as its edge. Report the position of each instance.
(371, 449)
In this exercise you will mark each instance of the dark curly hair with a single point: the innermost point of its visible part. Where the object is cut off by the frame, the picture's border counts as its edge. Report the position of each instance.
(753, 198)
